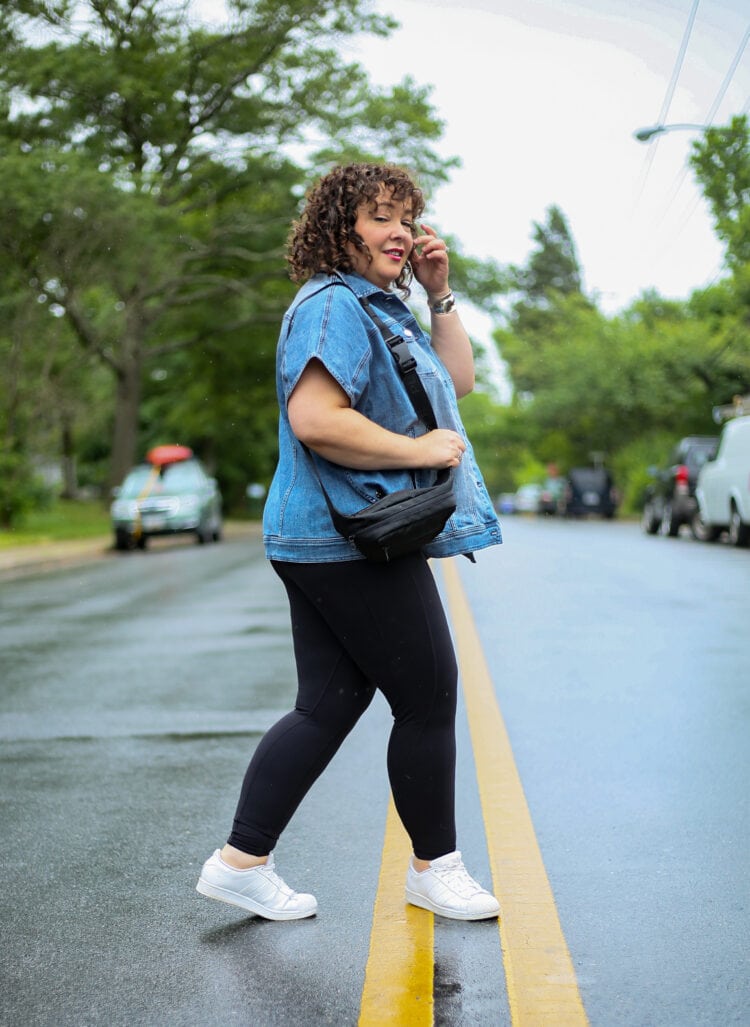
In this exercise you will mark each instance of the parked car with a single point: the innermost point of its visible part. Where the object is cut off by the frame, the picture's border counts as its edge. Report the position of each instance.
(506, 503)
(170, 493)
(588, 490)
(723, 487)
(526, 499)
(670, 500)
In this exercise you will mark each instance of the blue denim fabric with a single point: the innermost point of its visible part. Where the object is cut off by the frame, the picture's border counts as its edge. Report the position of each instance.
(327, 322)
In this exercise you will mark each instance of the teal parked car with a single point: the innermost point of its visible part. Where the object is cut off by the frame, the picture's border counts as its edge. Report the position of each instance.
(169, 494)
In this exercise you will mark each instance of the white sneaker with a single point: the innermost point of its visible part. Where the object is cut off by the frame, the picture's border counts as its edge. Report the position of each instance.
(260, 890)
(447, 889)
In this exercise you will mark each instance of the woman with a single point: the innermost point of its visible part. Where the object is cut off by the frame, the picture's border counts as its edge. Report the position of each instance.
(358, 625)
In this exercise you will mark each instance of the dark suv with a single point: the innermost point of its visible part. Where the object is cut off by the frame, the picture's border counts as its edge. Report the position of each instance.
(588, 490)
(670, 500)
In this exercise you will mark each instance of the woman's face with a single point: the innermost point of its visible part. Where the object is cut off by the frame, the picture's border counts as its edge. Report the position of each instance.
(386, 228)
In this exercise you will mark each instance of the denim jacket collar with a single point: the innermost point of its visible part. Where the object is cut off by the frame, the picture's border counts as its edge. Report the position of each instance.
(360, 286)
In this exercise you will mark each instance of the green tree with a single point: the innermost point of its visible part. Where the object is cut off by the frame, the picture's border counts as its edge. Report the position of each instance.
(505, 440)
(550, 273)
(145, 164)
(721, 160)
(47, 402)
(553, 265)
(651, 373)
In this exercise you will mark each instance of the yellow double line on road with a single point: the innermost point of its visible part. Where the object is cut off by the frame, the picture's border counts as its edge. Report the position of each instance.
(540, 979)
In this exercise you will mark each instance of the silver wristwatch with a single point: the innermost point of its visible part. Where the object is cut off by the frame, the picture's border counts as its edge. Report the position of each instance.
(444, 305)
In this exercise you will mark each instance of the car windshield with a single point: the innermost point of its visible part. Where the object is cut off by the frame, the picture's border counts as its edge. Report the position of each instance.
(590, 478)
(698, 455)
(174, 479)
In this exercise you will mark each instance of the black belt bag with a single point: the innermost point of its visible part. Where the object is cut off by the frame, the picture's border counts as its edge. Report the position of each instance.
(404, 521)
(399, 523)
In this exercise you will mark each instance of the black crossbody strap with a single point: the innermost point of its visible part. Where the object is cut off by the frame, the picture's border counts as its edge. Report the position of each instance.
(407, 368)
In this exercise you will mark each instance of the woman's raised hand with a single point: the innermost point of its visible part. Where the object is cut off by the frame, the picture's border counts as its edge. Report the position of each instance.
(429, 262)
(439, 448)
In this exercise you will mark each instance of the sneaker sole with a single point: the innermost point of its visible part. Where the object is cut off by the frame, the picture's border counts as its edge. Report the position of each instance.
(212, 891)
(452, 914)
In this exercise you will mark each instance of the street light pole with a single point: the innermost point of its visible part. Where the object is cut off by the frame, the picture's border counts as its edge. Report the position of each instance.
(645, 135)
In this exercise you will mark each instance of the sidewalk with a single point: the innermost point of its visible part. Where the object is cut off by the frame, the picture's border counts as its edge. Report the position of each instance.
(19, 561)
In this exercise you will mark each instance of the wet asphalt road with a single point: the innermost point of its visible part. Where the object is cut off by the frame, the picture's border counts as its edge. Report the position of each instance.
(135, 688)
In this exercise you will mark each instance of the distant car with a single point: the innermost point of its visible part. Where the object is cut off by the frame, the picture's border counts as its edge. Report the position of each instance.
(506, 503)
(176, 496)
(723, 487)
(670, 500)
(526, 499)
(588, 490)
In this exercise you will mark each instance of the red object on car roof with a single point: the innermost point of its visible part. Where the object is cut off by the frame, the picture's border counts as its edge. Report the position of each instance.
(161, 455)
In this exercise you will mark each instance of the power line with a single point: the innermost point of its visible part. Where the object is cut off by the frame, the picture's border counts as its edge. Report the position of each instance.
(649, 159)
(678, 64)
(682, 175)
(728, 77)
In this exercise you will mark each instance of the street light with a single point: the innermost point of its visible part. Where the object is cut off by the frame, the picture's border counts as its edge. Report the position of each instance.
(645, 135)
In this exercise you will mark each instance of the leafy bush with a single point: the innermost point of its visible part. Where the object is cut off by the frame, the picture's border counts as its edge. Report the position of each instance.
(20, 490)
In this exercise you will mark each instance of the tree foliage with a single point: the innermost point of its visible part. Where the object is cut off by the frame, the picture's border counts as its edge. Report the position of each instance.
(149, 180)
(553, 265)
(150, 166)
(620, 386)
(551, 273)
(721, 161)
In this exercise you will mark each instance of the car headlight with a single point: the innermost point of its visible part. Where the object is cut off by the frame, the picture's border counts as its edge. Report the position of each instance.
(124, 509)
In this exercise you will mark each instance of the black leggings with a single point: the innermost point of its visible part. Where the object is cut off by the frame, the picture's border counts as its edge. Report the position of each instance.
(357, 627)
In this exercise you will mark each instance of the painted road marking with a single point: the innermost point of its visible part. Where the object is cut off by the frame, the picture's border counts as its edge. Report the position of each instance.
(541, 981)
(399, 976)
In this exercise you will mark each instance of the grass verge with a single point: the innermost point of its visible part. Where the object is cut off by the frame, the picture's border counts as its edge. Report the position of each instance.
(64, 520)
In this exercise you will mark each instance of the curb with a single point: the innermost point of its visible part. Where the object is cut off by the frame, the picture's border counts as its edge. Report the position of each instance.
(22, 561)
(19, 561)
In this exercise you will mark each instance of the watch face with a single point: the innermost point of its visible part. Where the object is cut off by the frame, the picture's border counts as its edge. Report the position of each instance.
(445, 306)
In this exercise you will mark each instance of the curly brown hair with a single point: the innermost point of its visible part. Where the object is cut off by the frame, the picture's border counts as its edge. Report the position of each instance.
(318, 240)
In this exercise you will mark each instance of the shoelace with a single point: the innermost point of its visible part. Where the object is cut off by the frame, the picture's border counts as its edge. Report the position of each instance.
(456, 876)
(281, 884)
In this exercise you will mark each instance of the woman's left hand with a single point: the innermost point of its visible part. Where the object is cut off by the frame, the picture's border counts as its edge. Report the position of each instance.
(429, 262)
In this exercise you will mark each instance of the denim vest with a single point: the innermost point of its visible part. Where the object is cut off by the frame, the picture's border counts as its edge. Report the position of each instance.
(327, 322)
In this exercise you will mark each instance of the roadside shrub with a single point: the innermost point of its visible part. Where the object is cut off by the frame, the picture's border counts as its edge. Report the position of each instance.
(630, 467)
(20, 489)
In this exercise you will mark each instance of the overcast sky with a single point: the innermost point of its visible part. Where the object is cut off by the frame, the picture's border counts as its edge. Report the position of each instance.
(541, 98)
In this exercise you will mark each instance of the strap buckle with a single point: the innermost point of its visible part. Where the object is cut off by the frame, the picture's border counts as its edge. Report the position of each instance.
(400, 350)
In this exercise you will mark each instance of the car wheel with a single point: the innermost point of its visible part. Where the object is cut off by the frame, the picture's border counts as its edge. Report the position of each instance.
(669, 526)
(142, 541)
(123, 540)
(739, 533)
(702, 530)
(649, 522)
